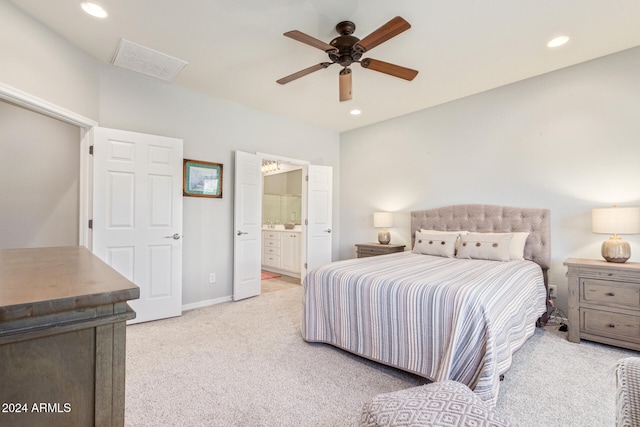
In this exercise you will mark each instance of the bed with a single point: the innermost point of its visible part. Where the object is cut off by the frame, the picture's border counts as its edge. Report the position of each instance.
(440, 317)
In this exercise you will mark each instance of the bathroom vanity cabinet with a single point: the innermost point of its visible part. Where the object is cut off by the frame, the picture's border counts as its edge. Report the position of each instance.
(281, 251)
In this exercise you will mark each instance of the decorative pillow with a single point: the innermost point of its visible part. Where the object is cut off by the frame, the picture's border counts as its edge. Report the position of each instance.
(459, 233)
(516, 248)
(435, 244)
(492, 246)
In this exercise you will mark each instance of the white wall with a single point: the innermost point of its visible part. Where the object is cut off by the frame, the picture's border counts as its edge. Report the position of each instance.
(568, 141)
(41, 63)
(212, 130)
(39, 172)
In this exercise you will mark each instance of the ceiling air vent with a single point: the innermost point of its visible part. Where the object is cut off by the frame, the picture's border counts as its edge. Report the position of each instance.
(134, 57)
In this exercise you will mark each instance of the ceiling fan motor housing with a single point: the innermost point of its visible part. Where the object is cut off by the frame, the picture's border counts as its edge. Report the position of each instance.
(346, 54)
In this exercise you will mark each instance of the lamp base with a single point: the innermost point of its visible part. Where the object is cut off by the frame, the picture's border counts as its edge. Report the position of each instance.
(615, 249)
(384, 237)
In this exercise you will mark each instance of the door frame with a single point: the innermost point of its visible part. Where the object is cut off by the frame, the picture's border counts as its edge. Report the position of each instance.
(33, 103)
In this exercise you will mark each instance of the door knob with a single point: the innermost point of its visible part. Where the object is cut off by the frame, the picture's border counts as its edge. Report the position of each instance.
(174, 237)
(328, 230)
(239, 233)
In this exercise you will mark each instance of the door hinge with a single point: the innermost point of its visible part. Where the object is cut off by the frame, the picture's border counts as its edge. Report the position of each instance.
(306, 178)
(305, 265)
(91, 149)
(91, 224)
(306, 222)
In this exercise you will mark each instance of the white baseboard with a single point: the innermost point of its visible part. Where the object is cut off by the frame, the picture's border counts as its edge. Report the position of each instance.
(206, 303)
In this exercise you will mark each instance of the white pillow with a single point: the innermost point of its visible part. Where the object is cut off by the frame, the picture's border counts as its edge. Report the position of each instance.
(491, 246)
(459, 233)
(517, 245)
(516, 248)
(435, 244)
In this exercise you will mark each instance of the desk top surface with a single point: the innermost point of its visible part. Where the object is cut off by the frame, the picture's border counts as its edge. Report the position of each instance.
(600, 263)
(41, 281)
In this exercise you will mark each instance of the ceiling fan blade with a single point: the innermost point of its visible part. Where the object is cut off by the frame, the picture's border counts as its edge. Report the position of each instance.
(345, 85)
(391, 29)
(387, 68)
(303, 73)
(307, 39)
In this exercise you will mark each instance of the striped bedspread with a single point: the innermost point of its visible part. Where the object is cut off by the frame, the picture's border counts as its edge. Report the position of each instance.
(441, 318)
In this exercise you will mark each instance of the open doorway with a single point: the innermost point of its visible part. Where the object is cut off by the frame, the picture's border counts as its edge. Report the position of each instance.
(316, 215)
(39, 159)
(34, 104)
(281, 257)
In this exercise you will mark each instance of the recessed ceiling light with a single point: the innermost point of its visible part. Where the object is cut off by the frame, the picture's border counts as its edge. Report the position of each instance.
(93, 9)
(558, 41)
(355, 112)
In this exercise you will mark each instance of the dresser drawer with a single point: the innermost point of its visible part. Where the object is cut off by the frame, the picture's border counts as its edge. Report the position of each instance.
(365, 252)
(272, 243)
(372, 249)
(613, 325)
(271, 235)
(609, 292)
(271, 260)
(268, 250)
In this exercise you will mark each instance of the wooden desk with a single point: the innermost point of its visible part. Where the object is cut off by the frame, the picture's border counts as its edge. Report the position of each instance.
(63, 316)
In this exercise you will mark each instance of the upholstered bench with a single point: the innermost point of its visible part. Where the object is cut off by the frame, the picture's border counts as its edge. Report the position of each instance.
(445, 403)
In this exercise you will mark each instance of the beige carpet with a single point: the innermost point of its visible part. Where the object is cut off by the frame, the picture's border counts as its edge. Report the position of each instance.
(245, 364)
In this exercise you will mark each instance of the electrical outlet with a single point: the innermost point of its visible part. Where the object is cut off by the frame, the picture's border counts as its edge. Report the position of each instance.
(212, 277)
(552, 291)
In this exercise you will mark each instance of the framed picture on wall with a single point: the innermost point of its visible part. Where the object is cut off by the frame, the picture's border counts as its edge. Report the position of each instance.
(202, 179)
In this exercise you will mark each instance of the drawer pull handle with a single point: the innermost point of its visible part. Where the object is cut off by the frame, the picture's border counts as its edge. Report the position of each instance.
(611, 325)
(611, 294)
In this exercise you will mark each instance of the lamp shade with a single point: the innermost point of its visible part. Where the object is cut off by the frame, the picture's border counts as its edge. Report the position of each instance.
(615, 220)
(382, 219)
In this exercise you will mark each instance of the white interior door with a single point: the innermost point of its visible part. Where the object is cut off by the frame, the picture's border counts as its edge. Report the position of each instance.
(247, 225)
(318, 239)
(137, 215)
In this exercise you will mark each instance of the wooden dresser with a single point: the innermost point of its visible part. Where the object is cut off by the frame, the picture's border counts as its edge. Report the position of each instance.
(604, 302)
(63, 315)
(372, 249)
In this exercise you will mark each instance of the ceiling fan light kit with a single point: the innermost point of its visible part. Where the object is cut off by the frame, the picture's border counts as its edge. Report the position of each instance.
(347, 49)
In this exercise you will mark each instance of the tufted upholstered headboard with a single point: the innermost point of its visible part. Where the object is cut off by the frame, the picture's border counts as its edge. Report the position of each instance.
(496, 219)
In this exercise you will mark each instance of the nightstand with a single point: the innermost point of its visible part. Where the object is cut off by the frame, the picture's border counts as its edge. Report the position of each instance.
(604, 302)
(372, 249)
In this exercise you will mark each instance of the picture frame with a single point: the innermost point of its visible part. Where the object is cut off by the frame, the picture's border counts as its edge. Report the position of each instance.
(202, 179)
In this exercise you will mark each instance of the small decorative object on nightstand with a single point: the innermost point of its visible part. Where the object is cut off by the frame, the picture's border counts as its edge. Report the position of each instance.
(604, 302)
(383, 220)
(616, 221)
(372, 249)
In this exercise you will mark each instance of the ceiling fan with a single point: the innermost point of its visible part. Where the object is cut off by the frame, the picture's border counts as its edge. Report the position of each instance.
(347, 49)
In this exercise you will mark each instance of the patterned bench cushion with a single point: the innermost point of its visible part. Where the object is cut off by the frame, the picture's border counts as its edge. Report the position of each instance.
(628, 392)
(445, 403)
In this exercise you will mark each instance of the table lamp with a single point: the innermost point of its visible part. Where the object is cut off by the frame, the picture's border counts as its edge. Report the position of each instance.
(383, 220)
(615, 221)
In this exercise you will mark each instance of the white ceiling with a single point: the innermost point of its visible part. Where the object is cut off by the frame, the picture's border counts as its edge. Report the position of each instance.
(236, 50)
